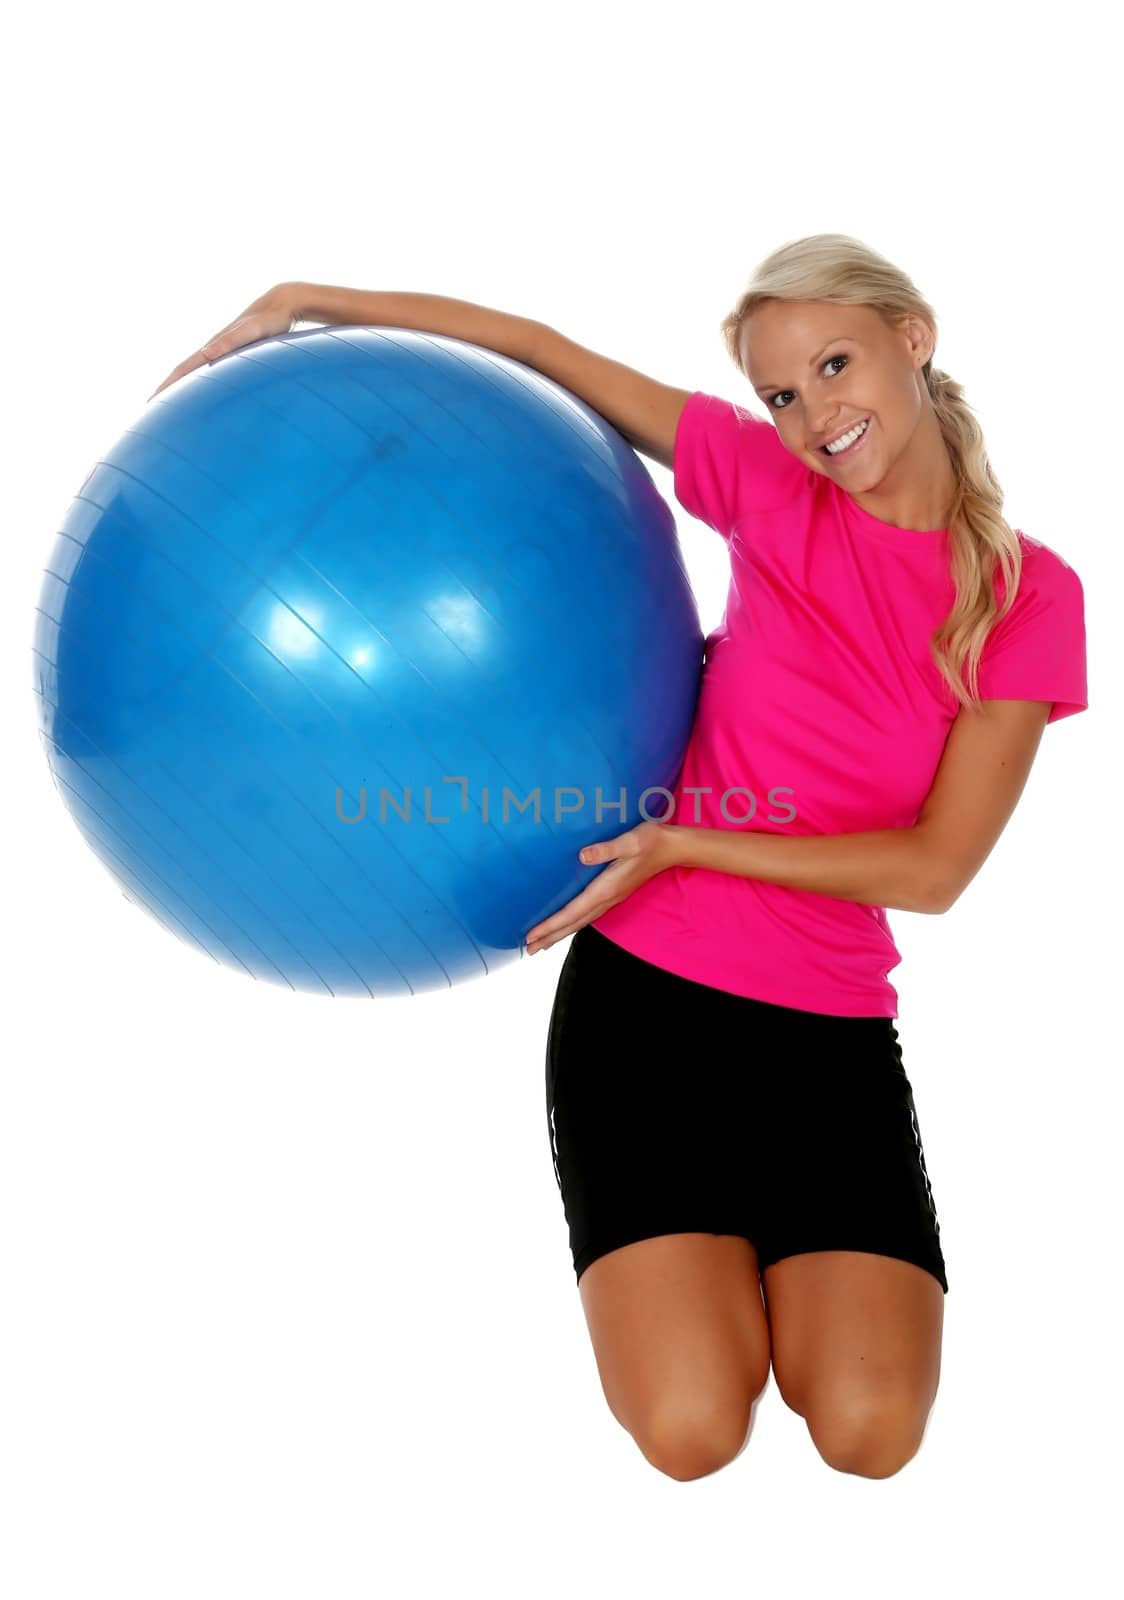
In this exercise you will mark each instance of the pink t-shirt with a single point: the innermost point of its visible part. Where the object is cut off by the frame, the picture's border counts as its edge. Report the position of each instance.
(819, 696)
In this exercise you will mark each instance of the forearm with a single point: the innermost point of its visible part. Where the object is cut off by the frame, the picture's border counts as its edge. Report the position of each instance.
(891, 867)
(428, 313)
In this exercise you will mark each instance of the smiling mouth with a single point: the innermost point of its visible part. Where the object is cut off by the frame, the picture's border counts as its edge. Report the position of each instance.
(834, 455)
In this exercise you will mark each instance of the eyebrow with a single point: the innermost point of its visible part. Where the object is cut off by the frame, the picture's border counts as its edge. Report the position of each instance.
(838, 339)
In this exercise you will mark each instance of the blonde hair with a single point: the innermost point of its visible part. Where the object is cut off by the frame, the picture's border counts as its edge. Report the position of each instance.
(835, 267)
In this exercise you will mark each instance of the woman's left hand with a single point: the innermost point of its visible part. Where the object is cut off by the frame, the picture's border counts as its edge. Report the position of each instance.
(633, 858)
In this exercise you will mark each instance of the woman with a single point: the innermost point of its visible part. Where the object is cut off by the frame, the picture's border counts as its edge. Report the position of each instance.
(734, 1134)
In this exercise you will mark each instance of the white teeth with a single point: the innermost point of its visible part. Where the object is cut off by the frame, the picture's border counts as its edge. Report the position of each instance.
(848, 438)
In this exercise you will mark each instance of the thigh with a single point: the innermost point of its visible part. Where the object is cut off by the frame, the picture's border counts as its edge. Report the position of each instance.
(643, 1111)
(680, 1337)
(648, 1145)
(854, 1330)
(837, 1147)
(853, 1272)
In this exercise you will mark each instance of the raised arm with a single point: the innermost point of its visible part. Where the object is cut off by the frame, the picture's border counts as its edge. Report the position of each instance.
(644, 410)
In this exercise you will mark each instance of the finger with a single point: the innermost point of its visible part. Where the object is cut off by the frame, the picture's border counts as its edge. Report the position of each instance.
(591, 902)
(196, 360)
(560, 920)
(206, 353)
(566, 921)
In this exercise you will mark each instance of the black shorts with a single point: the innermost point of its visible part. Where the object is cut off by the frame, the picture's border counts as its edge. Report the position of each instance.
(674, 1107)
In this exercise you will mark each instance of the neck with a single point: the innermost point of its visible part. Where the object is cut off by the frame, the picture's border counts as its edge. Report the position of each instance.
(918, 491)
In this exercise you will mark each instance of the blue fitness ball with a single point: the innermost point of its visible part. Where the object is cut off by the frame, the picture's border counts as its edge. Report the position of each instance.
(322, 625)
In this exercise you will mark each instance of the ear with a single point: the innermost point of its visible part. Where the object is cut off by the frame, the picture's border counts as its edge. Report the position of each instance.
(921, 338)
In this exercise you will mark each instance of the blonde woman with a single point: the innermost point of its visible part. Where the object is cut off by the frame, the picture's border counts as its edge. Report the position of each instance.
(733, 1131)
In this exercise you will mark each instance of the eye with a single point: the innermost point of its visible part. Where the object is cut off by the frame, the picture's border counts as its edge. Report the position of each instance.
(780, 392)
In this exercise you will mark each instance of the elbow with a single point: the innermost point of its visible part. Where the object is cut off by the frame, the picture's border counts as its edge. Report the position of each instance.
(938, 877)
(940, 897)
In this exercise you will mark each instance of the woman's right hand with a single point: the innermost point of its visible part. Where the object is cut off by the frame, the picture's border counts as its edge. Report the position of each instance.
(272, 313)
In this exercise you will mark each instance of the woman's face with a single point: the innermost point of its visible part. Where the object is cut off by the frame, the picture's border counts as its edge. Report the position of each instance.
(821, 368)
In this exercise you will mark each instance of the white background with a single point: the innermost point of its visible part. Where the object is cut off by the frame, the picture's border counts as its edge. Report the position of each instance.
(287, 1302)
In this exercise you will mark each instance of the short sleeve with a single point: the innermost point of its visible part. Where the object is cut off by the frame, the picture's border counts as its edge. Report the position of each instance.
(1037, 651)
(727, 462)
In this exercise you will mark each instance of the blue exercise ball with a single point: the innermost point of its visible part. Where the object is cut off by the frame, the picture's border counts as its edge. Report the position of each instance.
(321, 625)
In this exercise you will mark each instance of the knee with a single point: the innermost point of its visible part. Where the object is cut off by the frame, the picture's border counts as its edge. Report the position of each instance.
(871, 1438)
(692, 1443)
